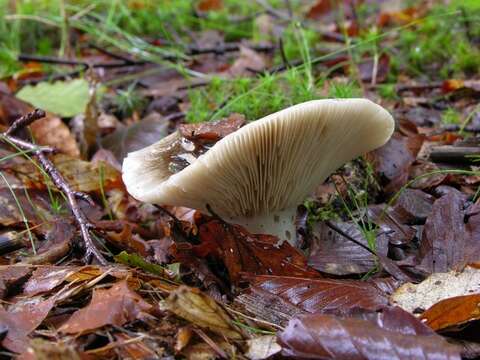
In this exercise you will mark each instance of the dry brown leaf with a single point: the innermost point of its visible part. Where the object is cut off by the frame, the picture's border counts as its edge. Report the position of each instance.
(51, 131)
(21, 321)
(114, 306)
(194, 306)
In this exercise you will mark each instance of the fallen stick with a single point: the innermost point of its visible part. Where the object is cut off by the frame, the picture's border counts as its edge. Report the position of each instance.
(455, 154)
(72, 196)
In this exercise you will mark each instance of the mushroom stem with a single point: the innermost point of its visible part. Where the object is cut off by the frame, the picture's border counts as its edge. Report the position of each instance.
(278, 223)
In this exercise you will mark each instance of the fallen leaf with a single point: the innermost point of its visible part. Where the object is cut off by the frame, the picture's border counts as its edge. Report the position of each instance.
(46, 278)
(21, 321)
(414, 206)
(117, 305)
(446, 244)
(332, 253)
(64, 98)
(278, 298)
(209, 5)
(212, 131)
(196, 307)
(437, 287)
(453, 311)
(262, 347)
(393, 334)
(392, 161)
(247, 63)
(243, 252)
(41, 349)
(137, 136)
(11, 276)
(51, 131)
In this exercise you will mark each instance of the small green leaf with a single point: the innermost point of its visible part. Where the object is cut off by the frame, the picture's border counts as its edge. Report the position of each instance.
(64, 98)
(172, 271)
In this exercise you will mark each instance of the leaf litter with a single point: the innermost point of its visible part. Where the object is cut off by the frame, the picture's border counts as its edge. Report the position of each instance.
(389, 264)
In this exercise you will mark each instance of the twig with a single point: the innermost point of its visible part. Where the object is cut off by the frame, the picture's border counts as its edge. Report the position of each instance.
(85, 65)
(57, 178)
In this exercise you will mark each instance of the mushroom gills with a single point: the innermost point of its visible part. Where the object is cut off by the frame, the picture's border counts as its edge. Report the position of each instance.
(279, 223)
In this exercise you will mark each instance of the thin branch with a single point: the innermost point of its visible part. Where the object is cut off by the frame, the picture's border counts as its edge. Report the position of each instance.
(58, 179)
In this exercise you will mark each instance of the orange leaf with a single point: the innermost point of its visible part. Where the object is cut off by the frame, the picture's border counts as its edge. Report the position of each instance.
(453, 311)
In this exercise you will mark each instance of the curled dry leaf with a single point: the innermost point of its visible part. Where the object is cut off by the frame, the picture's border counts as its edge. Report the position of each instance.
(114, 306)
(437, 287)
(194, 306)
(278, 298)
(393, 334)
(453, 311)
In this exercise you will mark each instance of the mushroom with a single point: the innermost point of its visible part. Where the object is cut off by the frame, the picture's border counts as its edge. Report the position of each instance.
(259, 174)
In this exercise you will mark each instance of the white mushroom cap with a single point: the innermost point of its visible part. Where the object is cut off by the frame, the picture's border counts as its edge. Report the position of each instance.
(268, 166)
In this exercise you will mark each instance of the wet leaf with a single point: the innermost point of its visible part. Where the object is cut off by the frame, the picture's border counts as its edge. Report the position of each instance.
(64, 98)
(200, 309)
(114, 306)
(453, 311)
(278, 298)
(437, 287)
(254, 254)
(393, 334)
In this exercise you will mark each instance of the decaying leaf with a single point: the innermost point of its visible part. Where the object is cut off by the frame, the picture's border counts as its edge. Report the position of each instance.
(200, 309)
(437, 287)
(114, 306)
(393, 334)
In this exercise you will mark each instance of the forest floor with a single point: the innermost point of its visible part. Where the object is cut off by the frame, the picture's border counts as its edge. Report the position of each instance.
(389, 255)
